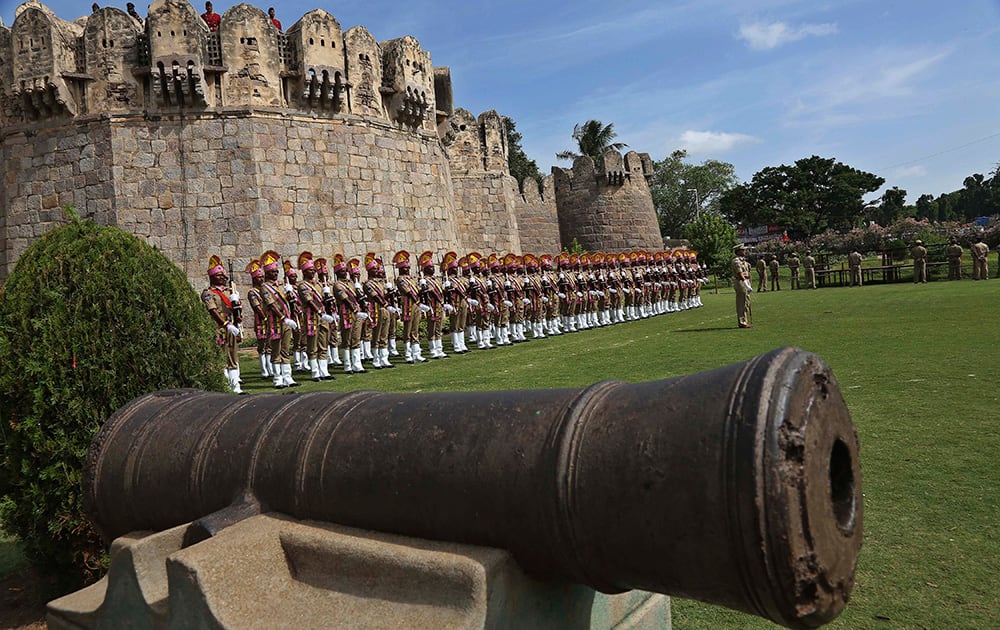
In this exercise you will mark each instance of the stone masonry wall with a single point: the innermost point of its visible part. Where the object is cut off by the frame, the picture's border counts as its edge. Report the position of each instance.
(608, 206)
(238, 184)
(484, 203)
(538, 218)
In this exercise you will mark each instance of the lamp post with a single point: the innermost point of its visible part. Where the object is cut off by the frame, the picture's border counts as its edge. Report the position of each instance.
(697, 202)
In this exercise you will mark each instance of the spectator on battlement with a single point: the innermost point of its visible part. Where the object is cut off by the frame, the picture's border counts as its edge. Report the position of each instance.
(130, 9)
(274, 20)
(212, 19)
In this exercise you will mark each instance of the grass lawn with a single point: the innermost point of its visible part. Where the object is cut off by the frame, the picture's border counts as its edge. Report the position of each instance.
(919, 368)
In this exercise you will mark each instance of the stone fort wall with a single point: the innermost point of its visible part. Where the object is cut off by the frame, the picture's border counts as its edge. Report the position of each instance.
(249, 139)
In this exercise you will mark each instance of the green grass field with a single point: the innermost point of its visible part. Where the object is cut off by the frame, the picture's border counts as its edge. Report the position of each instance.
(919, 369)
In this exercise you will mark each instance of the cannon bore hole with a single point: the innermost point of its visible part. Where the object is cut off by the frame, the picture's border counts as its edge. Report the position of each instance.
(842, 486)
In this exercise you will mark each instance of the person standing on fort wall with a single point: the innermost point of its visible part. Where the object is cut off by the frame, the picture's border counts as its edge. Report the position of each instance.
(854, 265)
(980, 252)
(741, 282)
(761, 274)
(211, 18)
(919, 253)
(275, 21)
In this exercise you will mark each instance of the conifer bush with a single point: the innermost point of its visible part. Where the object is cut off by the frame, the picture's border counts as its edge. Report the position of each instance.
(90, 318)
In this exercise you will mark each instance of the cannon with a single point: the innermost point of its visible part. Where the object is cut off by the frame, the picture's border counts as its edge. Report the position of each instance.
(739, 486)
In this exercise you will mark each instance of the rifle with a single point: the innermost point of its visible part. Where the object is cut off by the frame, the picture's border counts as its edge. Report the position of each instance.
(237, 306)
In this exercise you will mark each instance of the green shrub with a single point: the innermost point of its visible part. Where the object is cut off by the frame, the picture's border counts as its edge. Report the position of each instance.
(90, 318)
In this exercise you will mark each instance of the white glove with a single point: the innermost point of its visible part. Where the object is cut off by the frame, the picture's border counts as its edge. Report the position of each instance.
(392, 310)
(233, 330)
(448, 308)
(335, 317)
(447, 284)
(746, 285)
(525, 301)
(424, 308)
(357, 286)
(327, 318)
(489, 283)
(291, 323)
(472, 302)
(545, 300)
(234, 296)
(361, 316)
(562, 276)
(490, 306)
(612, 291)
(326, 291)
(578, 294)
(508, 303)
(289, 288)
(562, 296)
(423, 283)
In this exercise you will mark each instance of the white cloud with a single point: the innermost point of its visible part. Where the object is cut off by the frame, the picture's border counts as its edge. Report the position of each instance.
(712, 142)
(918, 170)
(768, 35)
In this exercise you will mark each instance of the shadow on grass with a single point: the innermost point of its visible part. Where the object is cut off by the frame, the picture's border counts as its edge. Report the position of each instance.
(695, 330)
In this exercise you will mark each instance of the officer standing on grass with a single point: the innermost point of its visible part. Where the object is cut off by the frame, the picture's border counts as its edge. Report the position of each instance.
(854, 266)
(919, 253)
(980, 252)
(954, 253)
(810, 264)
(761, 274)
(793, 269)
(741, 282)
(774, 269)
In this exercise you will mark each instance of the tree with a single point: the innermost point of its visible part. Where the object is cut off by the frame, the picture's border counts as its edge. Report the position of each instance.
(810, 196)
(680, 190)
(713, 238)
(90, 318)
(891, 206)
(521, 168)
(593, 138)
(926, 208)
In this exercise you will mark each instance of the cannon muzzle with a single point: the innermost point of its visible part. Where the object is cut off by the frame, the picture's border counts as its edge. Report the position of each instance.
(740, 486)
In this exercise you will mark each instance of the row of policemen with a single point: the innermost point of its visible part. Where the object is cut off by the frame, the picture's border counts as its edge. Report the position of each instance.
(493, 300)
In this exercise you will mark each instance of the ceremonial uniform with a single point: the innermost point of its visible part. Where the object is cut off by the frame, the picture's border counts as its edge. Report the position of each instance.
(223, 304)
(432, 294)
(310, 293)
(279, 300)
(351, 313)
(411, 313)
(775, 268)
(256, 300)
(379, 305)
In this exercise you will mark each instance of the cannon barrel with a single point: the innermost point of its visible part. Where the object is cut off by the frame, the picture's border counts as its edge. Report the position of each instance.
(740, 486)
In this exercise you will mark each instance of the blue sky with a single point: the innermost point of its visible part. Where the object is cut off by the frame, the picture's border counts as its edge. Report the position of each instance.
(908, 90)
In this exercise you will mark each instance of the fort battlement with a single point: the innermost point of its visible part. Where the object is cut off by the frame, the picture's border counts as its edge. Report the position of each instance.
(249, 138)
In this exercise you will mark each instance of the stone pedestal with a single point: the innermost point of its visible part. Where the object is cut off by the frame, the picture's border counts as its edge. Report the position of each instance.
(277, 572)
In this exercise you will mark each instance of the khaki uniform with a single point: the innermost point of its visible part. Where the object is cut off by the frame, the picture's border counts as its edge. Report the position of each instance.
(216, 300)
(954, 253)
(854, 266)
(919, 253)
(793, 269)
(775, 268)
(741, 282)
(810, 265)
(761, 275)
(980, 270)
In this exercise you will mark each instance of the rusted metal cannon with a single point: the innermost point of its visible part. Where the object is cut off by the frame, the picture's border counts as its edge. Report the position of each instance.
(740, 486)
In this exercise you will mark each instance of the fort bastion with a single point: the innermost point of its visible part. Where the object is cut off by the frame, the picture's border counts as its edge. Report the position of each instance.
(249, 138)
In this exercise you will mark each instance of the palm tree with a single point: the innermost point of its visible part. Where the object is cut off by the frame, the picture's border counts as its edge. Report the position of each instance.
(593, 138)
